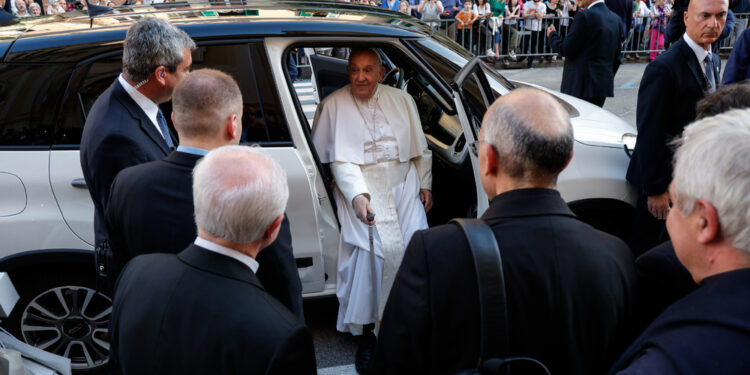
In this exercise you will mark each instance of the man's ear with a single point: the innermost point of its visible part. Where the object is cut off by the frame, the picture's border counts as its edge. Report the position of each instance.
(233, 127)
(382, 73)
(707, 222)
(160, 75)
(491, 159)
(272, 231)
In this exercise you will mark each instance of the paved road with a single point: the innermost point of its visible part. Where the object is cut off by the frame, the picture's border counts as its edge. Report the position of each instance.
(626, 85)
(334, 350)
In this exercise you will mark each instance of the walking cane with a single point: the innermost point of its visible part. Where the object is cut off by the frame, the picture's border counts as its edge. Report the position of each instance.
(373, 270)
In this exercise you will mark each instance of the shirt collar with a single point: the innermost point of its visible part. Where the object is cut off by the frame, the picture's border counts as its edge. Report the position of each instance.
(212, 246)
(700, 53)
(594, 3)
(192, 150)
(149, 108)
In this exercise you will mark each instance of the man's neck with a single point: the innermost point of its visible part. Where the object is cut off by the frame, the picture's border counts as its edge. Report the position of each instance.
(145, 88)
(202, 144)
(504, 184)
(250, 249)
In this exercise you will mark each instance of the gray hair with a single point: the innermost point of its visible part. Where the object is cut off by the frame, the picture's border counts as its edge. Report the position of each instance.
(151, 42)
(203, 100)
(35, 5)
(712, 163)
(238, 192)
(529, 149)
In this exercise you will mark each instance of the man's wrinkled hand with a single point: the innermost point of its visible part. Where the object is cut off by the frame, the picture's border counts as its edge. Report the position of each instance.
(361, 206)
(425, 196)
(658, 205)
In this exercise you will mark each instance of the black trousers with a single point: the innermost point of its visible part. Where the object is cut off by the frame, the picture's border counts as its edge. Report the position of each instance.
(646, 231)
(598, 101)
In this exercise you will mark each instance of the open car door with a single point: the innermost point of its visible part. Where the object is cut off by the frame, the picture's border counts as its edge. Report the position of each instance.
(473, 95)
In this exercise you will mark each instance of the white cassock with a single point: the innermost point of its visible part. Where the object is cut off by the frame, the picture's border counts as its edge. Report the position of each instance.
(374, 147)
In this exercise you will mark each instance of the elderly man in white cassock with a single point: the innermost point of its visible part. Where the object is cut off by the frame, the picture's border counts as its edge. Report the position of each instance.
(372, 137)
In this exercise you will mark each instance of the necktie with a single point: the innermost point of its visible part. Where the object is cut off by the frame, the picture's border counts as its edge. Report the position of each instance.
(710, 73)
(164, 129)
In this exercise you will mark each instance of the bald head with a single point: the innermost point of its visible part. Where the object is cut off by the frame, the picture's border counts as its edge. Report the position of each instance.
(238, 193)
(203, 101)
(532, 134)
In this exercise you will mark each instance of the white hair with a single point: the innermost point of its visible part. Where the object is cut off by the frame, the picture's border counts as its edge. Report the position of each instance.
(238, 191)
(713, 163)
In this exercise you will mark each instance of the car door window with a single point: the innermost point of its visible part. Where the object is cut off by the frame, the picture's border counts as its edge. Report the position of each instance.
(29, 99)
(475, 93)
(262, 120)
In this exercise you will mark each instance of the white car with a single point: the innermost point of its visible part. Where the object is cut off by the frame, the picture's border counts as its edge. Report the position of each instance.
(52, 70)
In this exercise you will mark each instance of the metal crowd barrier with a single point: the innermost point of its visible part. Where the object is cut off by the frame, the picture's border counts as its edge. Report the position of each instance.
(524, 41)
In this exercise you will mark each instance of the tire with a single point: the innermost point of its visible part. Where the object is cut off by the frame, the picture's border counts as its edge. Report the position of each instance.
(60, 311)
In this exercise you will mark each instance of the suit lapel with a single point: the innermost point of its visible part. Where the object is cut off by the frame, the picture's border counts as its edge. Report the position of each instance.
(218, 264)
(137, 113)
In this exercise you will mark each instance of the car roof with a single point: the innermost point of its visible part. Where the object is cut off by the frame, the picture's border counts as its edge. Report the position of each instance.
(24, 40)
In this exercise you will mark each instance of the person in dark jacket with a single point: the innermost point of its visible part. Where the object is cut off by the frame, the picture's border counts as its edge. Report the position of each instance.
(203, 311)
(570, 288)
(592, 52)
(707, 331)
(737, 68)
(151, 204)
(670, 88)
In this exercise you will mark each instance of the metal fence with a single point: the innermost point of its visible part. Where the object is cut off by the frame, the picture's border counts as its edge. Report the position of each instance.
(525, 38)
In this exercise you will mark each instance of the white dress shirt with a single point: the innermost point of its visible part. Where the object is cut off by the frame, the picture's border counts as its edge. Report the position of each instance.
(700, 53)
(216, 248)
(594, 3)
(149, 108)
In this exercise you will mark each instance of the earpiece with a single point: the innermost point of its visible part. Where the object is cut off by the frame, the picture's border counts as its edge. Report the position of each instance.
(162, 74)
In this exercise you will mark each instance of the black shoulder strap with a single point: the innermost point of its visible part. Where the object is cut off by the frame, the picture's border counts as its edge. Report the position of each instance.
(493, 314)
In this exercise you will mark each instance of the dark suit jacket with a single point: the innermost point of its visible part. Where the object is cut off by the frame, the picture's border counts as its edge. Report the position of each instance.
(569, 292)
(670, 88)
(707, 332)
(117, 135)
(738, 63)
(200, 312)
(624, 10)
(591, 50)
(151, 211)
(662, 280)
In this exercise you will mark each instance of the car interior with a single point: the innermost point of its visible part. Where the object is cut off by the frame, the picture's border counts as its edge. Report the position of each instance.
(453, 187)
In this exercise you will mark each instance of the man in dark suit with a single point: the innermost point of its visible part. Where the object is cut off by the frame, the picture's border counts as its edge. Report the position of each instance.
(203, 311)
(624, 10)
(592, 52)
(670, 88)
(569, 286)
(125, 126)
(707, 331)
(151, 204)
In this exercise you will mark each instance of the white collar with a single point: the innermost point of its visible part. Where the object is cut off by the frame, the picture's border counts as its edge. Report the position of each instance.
(594, 3)
(212, 246)
(149, 108)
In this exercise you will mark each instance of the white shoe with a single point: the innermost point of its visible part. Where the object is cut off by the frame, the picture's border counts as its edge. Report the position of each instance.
(490, 53)
(512, 55)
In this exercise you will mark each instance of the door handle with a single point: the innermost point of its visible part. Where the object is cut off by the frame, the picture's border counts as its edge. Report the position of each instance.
(79, 183)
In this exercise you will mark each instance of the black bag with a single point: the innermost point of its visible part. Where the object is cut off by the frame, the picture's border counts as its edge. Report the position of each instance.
(493, 312)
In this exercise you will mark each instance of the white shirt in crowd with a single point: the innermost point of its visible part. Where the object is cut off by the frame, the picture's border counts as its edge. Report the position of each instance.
(532, 23)
(481, 10)
(642, 12)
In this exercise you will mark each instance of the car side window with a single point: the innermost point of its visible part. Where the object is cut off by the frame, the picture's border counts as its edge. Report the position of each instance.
(29, 97)
(262, 120)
